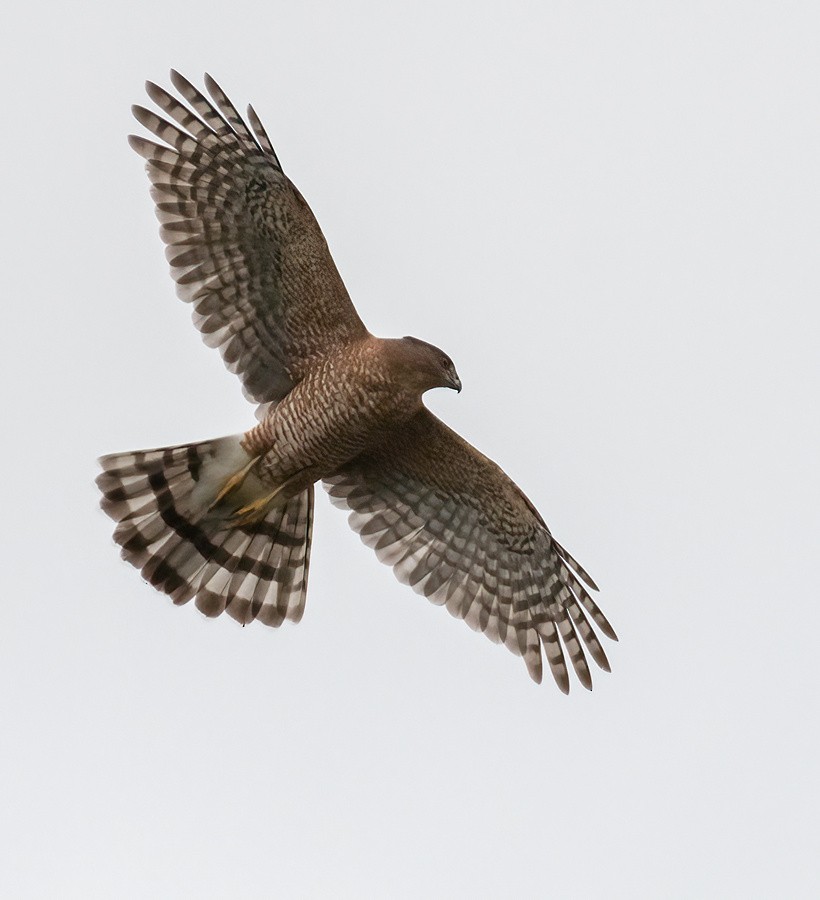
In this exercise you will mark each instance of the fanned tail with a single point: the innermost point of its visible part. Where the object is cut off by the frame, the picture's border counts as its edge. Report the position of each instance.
(177, 523)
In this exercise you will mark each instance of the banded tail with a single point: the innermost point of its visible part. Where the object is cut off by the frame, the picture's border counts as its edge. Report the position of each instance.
(176, 515)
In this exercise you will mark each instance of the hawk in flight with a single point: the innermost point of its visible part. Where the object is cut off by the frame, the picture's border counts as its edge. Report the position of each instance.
(228, 522)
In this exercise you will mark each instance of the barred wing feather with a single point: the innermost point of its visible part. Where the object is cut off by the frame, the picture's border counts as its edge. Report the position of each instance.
(243, 245)
(457, 529)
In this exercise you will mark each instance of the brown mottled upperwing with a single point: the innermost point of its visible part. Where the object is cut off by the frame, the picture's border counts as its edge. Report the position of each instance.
(243, 245)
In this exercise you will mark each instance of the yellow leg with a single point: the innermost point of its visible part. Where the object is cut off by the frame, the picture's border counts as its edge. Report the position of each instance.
(255, 511)
(234, 482)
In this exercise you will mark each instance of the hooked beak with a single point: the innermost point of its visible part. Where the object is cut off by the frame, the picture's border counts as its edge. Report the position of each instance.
(455, 383)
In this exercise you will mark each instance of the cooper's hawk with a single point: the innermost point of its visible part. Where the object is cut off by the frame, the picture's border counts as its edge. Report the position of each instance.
(228, 521)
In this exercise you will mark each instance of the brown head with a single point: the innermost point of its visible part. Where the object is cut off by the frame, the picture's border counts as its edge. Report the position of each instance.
(426, 365)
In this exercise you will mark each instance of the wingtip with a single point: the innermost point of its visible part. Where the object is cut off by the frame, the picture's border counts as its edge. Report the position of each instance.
(142, 115)
(179, 81)
(583, 672)
(140, 146)
(535, 674)
(561, 678)
(210, 84)
(603, 623)
(590, 583)
(154, 90)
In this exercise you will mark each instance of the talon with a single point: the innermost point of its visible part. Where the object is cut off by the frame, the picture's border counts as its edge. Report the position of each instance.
(255, 511)
(234, 482)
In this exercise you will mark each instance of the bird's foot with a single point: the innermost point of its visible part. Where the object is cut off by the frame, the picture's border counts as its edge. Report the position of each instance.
(255, 511)
(233, 483)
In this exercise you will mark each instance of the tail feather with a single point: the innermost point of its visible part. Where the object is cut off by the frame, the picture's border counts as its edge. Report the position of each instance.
(162, 502)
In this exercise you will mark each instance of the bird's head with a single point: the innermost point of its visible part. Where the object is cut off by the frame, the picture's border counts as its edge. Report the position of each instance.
(433, 365)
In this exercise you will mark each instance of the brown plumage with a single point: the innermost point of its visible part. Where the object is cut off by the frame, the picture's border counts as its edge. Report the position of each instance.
(228, 522)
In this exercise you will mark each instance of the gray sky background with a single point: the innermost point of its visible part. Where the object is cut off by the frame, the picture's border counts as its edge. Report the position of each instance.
(607, 213)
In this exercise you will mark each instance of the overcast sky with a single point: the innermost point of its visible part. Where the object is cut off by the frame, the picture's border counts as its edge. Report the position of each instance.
(607, 214)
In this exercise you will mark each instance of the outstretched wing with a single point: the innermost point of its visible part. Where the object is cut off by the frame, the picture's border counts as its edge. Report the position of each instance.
(461, 533)
(242, 243)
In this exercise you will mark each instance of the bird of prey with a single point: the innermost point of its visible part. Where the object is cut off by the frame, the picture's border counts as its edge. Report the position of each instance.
(227, 522)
